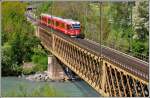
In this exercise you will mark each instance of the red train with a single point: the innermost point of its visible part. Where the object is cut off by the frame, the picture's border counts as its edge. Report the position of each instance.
(66, 26)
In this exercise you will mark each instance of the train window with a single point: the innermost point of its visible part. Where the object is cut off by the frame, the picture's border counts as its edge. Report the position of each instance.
(49, 21)
(57, 23)
(76, 26)
(63, 25)
(60, 25)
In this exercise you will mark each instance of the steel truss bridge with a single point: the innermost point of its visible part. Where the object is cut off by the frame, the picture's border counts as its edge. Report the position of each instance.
(109, 72)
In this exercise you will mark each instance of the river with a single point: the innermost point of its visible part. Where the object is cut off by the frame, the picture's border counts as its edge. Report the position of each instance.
(70, 89)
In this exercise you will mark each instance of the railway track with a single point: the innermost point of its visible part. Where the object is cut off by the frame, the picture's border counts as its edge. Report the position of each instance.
(126, 62)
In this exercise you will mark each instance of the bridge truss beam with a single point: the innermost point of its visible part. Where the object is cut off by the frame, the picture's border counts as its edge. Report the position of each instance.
(104, 76)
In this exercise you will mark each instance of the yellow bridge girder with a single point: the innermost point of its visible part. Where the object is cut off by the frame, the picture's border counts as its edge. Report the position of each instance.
(104, 76)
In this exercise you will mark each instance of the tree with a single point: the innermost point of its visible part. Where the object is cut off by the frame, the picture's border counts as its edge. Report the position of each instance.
(138, 47)
(17, 47)
(22, 47)
(17, 37)
(6, 58)
(140, 24)
(29, 44)
(141, 19)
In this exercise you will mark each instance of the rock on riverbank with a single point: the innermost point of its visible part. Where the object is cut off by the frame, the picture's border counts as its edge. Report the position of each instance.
(41, 76)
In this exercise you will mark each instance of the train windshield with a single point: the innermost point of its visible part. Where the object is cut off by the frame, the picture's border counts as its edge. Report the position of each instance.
(76, 26)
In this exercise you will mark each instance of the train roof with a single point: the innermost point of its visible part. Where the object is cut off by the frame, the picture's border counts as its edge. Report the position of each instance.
(70, 21)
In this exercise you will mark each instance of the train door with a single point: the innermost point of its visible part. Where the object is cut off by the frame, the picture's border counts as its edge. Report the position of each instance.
(68, 29)
(46, 20)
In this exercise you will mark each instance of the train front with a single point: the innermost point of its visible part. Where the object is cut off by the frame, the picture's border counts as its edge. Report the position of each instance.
(75, 29)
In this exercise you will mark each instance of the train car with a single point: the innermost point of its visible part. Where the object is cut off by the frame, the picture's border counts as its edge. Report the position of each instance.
(66, 26)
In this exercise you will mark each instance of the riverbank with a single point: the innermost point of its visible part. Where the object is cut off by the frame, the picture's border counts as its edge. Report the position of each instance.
(10, 86)
(40, 76)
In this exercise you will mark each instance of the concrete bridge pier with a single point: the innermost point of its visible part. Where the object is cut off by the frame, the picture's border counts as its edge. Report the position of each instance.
(55, 70)
(37, 31)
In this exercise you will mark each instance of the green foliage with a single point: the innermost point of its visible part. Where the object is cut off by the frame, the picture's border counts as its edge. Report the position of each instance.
(17, 45)
(138, 47)
(42, 8)
(3, 38)
(40, 61)
(30, 43)
(13, 19)
(42, 91)
(27, 71)
(39, 51)
(18, 39)
(46, 91)
(22, 46)
(6, 58)
(23, 90)
(141, 18)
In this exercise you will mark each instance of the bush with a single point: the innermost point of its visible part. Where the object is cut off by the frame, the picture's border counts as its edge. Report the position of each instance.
(138, 47)
(40, 61)
(28, 71)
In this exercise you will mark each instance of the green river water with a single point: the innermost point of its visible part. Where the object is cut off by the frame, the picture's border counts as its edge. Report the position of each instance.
(70, 89)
